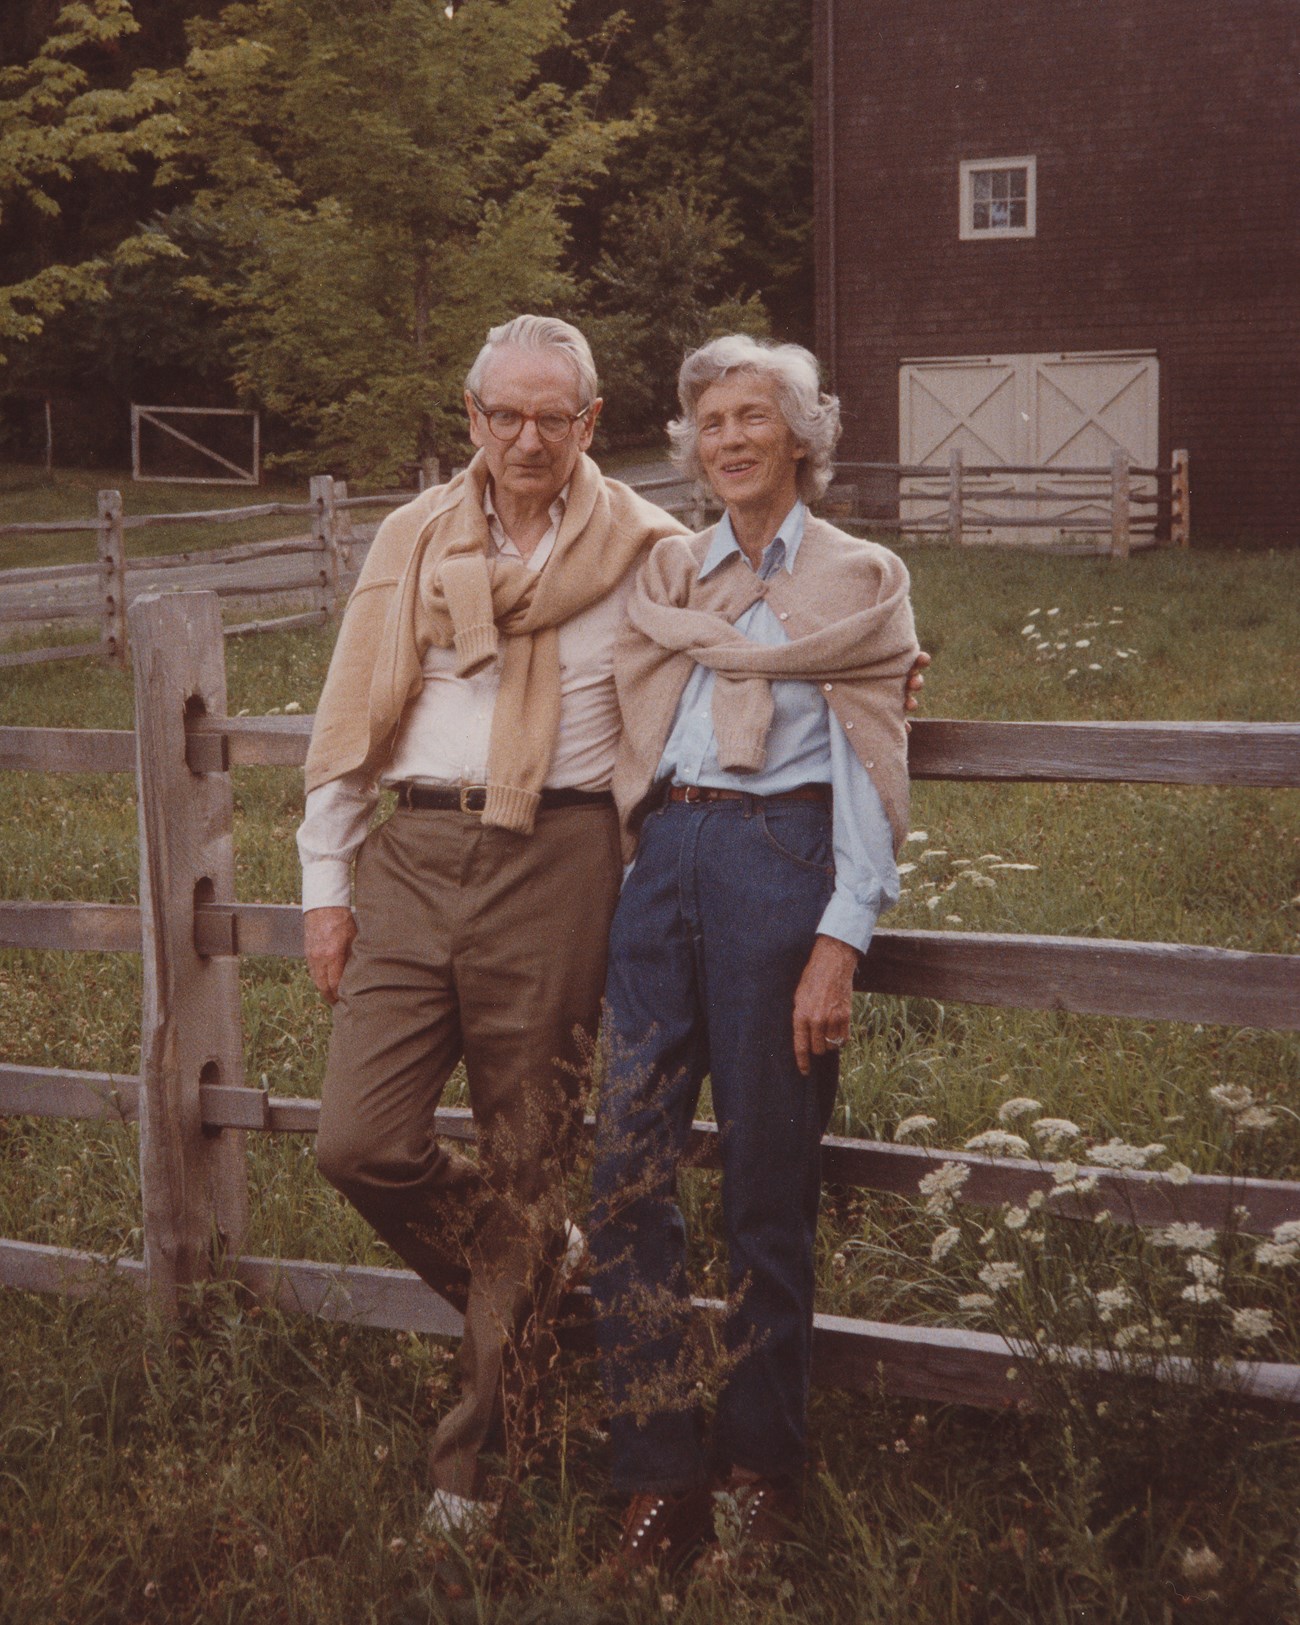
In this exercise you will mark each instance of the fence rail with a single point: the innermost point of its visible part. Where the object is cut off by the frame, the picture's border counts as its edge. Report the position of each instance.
(195, 1110)
(327, 554)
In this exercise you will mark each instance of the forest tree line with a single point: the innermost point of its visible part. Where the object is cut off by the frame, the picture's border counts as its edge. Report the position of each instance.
(319, 209)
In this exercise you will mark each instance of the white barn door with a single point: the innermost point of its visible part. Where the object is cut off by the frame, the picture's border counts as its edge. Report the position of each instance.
(1046, 411)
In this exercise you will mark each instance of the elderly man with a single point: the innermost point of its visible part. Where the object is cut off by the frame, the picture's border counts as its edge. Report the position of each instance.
(763, 768)
(473, 675)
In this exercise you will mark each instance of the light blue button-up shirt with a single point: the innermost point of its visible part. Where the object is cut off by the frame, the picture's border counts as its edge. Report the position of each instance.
(806, 745)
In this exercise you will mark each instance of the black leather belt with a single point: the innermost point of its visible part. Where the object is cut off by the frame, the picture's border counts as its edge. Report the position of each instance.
(694, 793)
(472, 798)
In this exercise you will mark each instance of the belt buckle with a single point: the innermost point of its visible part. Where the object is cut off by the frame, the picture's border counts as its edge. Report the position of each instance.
(479, 802)
(692, 794)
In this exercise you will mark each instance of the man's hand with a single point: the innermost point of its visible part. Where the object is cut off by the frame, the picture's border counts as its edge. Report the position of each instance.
(328, 933)
(823, 1001)
(915, 683)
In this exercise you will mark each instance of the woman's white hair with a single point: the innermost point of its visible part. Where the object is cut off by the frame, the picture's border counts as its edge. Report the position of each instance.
(539, 333)
(812, 416)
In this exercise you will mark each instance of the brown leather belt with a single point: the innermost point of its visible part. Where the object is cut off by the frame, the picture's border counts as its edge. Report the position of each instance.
(472, 798)
(692, 794)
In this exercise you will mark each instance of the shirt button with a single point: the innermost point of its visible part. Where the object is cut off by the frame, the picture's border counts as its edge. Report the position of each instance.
(784, 615)
(828, 686)
(848, 727)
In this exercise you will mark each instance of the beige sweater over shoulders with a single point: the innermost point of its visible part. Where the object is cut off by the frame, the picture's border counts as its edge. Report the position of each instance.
(847, 611)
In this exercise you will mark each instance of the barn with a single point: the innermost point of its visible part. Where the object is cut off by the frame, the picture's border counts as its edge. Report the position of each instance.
(1045, 232)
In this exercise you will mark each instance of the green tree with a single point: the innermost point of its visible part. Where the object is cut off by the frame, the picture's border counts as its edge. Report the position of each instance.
(730, 84)
(388, 177)
(56, 127)
(659, 295)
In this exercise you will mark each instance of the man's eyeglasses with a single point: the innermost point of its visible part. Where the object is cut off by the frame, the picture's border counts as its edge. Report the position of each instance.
(507, 424)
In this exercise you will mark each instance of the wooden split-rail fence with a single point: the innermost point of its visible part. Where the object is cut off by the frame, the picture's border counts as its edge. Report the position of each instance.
(320, 564)
(1114, 508)
(195, 1109)
(323, 564)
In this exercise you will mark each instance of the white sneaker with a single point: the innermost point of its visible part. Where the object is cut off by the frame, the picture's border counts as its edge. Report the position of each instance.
(575, 1252)
(459, 1516)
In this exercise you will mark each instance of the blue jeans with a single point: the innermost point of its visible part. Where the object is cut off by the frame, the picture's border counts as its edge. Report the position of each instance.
(713, 929)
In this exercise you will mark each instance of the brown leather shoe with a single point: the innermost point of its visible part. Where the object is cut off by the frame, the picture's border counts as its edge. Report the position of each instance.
(755, 1518)
(663, 1531)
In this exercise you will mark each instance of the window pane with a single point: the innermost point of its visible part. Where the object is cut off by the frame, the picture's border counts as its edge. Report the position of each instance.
(982, 221)
(1017, 213)
(983, 179)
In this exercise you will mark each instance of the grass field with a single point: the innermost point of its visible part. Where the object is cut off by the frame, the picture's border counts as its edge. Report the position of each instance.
(249, 1468)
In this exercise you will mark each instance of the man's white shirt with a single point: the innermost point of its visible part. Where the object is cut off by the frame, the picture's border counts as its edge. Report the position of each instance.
(444, 732)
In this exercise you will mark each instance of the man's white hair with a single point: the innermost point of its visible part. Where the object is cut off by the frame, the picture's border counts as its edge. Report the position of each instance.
(812, 416)
(539, 333)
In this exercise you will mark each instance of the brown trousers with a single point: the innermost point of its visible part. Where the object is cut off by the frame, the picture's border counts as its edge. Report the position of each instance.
(480, 944)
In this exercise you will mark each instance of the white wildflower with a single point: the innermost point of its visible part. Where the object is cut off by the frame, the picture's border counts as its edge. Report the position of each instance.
(1018, 1106)
(1254, 1117)
(944, 1243)
(1121, 654)
(1035, 1200)
(1200, 1293)
(292, 709)
(1024, 868)
(996, 1142)
(1073, 672)
(1035, 1237)
(1026, 631)
(1082, 643)
(987, 1238)
(933, 902)
(952, 919)
(987, 882)
(934, 852)
(1277, 1255)
(1111, 1300)
(1199, 1565)
(1128, 1337)
(941, 1187)
(1287, 1234)
(1034, 612)
(997, 1277)
(1055, 1131)
(1055, 610)
(919, 1123)
(1186, 1237)
(1201, 1268)
(1178, 1173)
(974, 1300)
(1235, 1097)
(1119, 1154)
(906, 868)
(1093, 666)
(1015, 1218)
(1065, 1173)
(1252, 1323)
(917, 835)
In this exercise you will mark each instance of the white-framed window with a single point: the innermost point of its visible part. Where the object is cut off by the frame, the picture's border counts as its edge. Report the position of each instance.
(999, 197)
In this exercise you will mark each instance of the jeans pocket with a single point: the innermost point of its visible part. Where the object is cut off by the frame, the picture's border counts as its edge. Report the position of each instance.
(800, 833)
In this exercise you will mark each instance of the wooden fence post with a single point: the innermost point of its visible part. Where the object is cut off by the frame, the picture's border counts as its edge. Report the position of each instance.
(1121, 491)
(111, 548)
(954, 496)
(324, 529)
(344, 533)
(193, 1182)
(1180, 518)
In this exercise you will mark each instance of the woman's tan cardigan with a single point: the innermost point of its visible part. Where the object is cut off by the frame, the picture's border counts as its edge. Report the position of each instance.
(847, 612)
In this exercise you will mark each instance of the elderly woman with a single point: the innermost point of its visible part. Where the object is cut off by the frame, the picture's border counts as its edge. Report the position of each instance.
(763, 786)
